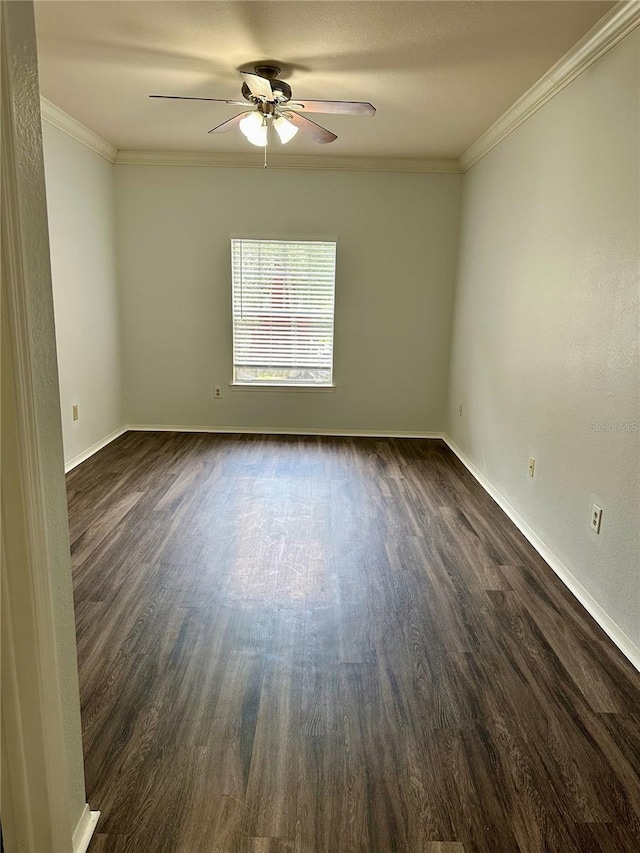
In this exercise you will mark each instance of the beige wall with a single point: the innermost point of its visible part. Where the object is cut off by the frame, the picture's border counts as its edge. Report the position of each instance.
(396, 254)
(546, 327)
(81, 205)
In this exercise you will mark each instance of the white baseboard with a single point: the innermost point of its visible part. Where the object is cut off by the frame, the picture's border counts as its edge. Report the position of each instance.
(84, 830)
(73, 463)
(283, 431)
(611, 628)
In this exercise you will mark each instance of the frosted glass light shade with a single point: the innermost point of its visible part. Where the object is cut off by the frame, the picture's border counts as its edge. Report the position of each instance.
(254, 129)
(286, 131)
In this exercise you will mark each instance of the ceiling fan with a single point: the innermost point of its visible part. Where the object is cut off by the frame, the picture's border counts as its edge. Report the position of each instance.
(272, 106)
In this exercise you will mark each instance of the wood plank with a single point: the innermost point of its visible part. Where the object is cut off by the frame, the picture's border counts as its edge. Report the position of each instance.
(271, 788)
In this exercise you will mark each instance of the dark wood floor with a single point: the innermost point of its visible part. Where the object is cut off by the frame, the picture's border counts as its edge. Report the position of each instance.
(304, 644)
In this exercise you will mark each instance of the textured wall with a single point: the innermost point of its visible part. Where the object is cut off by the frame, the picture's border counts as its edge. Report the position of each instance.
(81, 205)
(545, 347)
(396, 254)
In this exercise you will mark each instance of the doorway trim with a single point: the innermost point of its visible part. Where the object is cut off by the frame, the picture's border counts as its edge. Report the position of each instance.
(43, 795)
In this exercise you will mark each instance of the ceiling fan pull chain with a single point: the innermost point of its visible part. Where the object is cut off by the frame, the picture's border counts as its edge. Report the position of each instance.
(265, 156)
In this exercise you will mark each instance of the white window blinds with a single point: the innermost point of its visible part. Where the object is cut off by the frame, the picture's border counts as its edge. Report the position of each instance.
(283, 308)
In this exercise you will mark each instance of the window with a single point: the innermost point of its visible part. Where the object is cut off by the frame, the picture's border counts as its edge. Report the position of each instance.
(283, 306)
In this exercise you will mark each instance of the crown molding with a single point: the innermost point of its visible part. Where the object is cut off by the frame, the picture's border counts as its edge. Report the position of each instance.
(607, 32)
(72, 127)
(78, 131)
(56, 117)
(284, 161)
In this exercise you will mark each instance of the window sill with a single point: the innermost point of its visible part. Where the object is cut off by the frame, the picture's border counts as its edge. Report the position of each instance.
(274, 386)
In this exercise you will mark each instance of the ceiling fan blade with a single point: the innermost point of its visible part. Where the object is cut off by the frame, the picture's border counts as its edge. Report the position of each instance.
(259, 86)
(187, 98)
(230, 123)
(313, 130)
(352, 108)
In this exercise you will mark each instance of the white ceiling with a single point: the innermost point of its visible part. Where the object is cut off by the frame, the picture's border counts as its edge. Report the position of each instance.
(439, 73)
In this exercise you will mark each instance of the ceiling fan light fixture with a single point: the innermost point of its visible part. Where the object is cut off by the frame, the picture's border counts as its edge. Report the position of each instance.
(285, 130)
(254, 127)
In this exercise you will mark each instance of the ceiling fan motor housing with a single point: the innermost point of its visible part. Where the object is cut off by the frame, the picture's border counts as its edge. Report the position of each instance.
(281, 90)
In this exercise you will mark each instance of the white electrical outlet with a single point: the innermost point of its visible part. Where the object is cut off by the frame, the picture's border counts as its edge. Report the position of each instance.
(217, 393)
(75, 413)
(532, 466)
(459, 410)
(596, 518)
